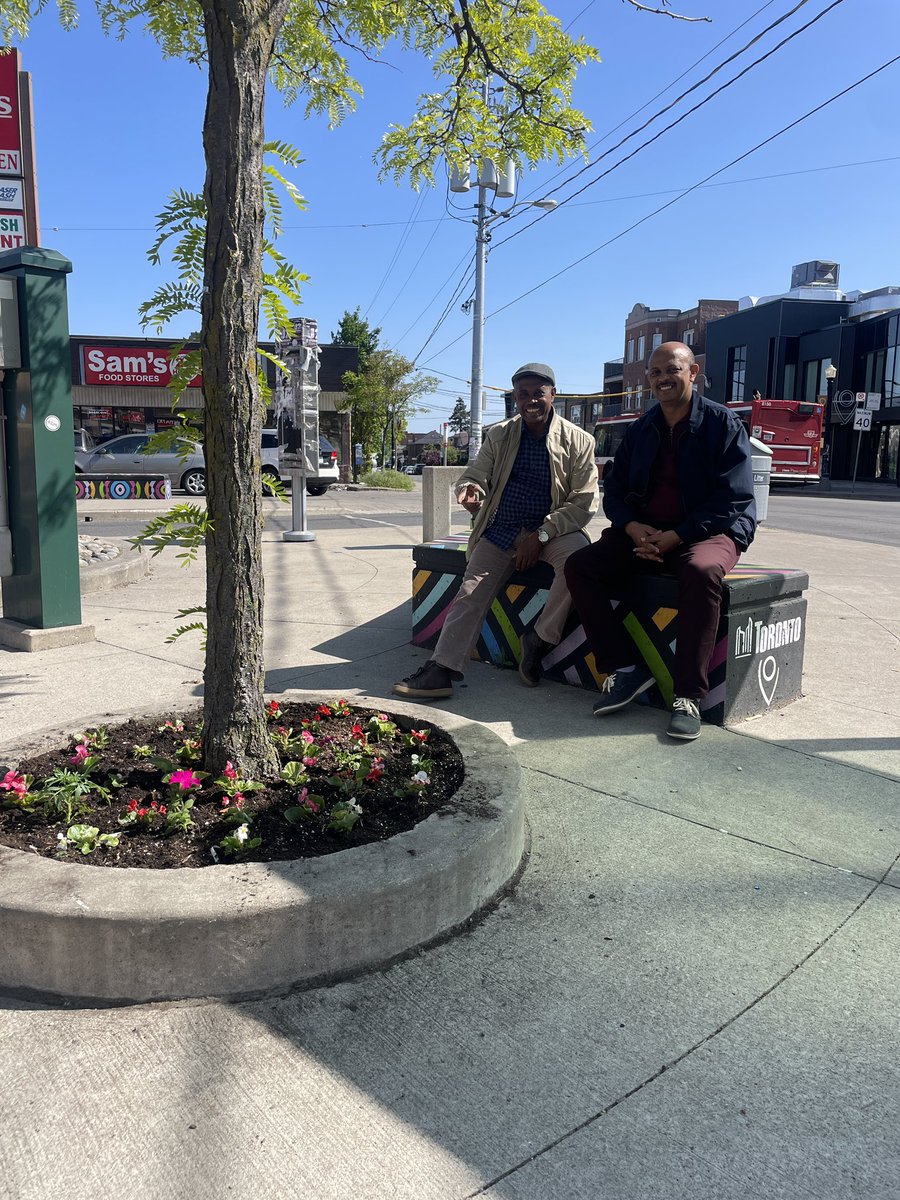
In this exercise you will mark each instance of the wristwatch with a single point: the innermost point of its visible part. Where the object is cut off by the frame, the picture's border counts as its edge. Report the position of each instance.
(543, 536)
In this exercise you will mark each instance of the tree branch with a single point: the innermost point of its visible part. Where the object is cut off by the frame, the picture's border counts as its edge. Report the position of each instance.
(663, 11)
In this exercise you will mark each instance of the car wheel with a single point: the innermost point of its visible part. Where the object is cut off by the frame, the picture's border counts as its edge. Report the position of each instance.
(194, 482)
(267, 474)
(316, 489)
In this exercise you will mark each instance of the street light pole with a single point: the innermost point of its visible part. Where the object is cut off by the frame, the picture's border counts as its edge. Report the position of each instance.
(482, 237)
(830, 376)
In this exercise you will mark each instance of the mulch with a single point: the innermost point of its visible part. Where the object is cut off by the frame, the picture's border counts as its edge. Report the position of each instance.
(360, 772)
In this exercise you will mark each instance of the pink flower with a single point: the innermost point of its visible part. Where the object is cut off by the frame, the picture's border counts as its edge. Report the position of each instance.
(309, 762)
(304, 801)
(229, 772)
(12, 782)
(81, 753)
(307, 738)
(184, 780)
(238, 800)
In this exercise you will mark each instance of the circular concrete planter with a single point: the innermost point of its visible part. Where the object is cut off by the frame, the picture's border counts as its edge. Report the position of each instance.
(110, 935)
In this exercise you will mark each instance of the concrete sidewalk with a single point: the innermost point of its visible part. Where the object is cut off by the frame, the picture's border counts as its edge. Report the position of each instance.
(690, 993)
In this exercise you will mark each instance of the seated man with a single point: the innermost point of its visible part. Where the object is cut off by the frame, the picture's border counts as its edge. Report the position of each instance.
(679, 495)
(532, 488)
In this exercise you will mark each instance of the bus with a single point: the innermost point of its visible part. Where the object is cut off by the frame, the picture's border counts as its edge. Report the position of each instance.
(791, 429)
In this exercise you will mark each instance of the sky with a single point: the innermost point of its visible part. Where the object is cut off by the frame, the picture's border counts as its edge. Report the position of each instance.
(118, 128)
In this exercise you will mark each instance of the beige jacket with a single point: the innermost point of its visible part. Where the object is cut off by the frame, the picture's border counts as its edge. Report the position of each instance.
(573, 475)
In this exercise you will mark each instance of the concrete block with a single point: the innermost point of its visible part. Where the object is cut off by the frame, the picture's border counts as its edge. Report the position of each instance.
(16, 636)
(437, 501)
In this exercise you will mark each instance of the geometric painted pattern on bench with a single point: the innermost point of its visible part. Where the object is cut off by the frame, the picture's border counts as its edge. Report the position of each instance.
(122, 488)
(651, 621)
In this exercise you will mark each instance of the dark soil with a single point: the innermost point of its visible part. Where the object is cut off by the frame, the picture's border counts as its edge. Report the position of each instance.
(351, 760)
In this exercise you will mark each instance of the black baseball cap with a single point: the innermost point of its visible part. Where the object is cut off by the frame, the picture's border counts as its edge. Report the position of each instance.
(538, 370)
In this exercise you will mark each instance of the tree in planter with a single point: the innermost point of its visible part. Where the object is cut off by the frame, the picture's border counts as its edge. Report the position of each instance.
(299, 47)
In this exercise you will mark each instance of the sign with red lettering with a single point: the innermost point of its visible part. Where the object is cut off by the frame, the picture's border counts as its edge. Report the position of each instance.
(10, 133)
(12, 230)
(129, 366)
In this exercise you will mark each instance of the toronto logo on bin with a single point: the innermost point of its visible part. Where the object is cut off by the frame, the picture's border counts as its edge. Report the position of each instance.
(758, 637)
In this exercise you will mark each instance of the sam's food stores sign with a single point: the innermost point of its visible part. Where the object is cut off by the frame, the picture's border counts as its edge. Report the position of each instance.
(18, 191)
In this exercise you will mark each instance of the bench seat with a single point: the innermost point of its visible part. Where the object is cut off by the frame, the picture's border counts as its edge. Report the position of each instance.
(757, 663)
(122, 487)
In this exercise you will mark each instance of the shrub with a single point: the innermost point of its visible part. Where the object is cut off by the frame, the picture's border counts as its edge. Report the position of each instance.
(387, 479)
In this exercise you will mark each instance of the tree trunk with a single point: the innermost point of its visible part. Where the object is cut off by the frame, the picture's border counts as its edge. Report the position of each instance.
(240, 35)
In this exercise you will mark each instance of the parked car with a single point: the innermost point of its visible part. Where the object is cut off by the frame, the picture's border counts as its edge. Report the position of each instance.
(328, 469)
(413, 469)
(316, 485)
(84, 446)
(128, 455)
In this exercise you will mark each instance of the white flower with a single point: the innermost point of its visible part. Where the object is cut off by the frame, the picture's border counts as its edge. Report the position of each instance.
(421, 778)
(62, 839)
(242, 833)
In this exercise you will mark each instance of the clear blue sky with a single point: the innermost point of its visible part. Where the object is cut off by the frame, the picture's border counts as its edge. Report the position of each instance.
(117, 128)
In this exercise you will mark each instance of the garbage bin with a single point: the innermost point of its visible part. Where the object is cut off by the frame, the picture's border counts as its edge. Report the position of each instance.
(761, 458)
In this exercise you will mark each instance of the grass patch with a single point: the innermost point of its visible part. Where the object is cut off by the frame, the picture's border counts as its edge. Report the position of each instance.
(387, 479)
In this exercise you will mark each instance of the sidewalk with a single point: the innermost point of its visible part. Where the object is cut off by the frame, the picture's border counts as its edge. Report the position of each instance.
(690, 994)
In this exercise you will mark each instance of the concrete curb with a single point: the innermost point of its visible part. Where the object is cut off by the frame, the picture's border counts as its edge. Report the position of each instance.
(107, 935)
(133, 565)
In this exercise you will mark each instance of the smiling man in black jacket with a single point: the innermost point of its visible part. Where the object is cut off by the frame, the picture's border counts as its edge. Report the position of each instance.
(679, 495)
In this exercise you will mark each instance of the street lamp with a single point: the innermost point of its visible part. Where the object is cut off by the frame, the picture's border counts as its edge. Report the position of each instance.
(487, 179)
(830, 377)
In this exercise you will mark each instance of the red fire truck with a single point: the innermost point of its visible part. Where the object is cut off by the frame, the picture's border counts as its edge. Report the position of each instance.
(792, 429)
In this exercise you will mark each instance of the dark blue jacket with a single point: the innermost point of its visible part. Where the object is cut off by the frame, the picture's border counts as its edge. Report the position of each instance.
(715, 473)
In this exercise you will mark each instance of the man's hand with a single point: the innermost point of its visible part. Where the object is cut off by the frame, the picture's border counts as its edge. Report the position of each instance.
(638, 532)
(470, 498)
(528, 551)
(656, 545)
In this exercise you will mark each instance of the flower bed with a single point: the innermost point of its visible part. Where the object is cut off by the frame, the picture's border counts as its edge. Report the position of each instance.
(134, 795)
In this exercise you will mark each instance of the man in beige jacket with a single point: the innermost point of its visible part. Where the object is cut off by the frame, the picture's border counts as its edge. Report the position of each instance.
(532, 490)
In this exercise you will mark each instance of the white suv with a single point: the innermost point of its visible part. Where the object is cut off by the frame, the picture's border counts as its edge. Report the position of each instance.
(316, 485)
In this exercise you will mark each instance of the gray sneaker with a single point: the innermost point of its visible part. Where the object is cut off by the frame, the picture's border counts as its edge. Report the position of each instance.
(618, 690)
(685, 720)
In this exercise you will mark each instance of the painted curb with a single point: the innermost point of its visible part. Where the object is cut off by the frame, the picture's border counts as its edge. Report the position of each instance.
(109, 935)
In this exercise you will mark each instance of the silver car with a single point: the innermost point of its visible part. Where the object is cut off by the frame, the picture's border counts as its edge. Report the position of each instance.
(128, 455)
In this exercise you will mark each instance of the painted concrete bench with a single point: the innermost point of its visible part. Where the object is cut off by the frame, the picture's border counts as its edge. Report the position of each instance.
(757, 663)
(122, 487)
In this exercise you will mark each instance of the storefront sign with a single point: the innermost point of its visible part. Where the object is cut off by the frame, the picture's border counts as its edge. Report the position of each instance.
(12, 194)
(10, 133)
(12, 231)
(129, 366)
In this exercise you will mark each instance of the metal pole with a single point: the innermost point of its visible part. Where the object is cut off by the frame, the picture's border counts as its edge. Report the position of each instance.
(855, 461)
(298, 531)
(478, 328)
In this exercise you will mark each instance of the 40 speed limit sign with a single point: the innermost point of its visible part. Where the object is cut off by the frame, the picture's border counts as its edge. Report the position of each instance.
(862, 419)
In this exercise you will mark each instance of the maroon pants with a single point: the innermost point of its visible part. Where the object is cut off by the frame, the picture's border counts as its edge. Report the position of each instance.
(602, 572)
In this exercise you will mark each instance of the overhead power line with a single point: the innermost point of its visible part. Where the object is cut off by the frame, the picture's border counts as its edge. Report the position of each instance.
(678, 120)
(700, 183)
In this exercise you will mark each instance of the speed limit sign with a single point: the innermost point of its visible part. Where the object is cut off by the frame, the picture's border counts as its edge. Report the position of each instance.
(862, 419)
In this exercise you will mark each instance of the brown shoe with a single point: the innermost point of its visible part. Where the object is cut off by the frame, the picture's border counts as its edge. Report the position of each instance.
(533, 650)
(430, 682)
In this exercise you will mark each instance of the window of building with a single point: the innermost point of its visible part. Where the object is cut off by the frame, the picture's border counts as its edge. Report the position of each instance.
(640, 349)
(737, 370)
(629, 351)
(595, 411)
(790, 381)
(815, 385)
(688, 337)
(656, 342)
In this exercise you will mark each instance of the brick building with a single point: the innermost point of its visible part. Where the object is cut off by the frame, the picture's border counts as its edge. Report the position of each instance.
(646, 328)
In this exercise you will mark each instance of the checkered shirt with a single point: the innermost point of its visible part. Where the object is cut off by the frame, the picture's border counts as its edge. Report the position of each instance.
(526, 499)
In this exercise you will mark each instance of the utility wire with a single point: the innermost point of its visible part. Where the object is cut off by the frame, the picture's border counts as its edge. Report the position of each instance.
(668, 86)
(759, 145)
(672, 124)
(420, 200)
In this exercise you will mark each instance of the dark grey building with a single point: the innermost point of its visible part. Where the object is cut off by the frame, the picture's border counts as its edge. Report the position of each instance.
(786, 346)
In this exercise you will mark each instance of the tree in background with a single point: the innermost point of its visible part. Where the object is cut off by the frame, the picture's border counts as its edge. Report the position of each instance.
(302, 49)
(382, 399)
(460, 417)
(354, 330)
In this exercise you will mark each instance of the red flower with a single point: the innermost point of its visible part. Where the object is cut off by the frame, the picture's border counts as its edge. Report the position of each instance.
(132, 806)
(357, 731)
(229, 772)
(419, 735)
